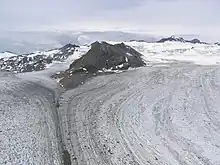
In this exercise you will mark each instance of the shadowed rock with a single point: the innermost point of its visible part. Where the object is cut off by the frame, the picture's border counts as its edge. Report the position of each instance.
(102, 57)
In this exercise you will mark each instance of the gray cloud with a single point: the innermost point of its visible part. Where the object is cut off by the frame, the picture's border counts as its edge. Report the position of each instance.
(38, 12)
(153, 16)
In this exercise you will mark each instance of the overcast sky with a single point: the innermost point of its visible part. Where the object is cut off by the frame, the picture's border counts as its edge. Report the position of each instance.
(151, 16)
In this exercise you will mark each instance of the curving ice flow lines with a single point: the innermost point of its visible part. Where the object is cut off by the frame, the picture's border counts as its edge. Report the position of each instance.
(156, 116)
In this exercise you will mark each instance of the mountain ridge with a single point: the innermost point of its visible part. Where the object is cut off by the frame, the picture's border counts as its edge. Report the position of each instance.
(102, 58)
(180, 39)
(36, 61)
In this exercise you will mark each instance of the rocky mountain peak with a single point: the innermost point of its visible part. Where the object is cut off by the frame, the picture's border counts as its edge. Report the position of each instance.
(172, 39)
(101, 58)
(180, 39)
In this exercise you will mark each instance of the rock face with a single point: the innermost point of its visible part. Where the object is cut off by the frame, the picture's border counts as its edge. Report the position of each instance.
(172, 39)
(35, 61)
(101, 58)
(196, 41)
(217, 43)
(106, 56)
(180, 39)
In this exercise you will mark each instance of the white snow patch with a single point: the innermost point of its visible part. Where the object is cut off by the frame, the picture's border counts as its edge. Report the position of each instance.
(79, 52)
(129, 54)
(120, 66)
(57, 66)
(7, 55)
(126, 59)
(110, 70)
(46, 53)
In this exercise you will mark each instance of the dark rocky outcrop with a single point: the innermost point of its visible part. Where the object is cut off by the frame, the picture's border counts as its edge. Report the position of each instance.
(217, 43)
(180, 39)
(65, 52)
(196, 41)
(102, 57)
(172, 39)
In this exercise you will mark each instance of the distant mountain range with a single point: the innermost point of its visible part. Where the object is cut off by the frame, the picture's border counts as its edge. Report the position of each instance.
(180, 39)
(39, 60)
(25, 42)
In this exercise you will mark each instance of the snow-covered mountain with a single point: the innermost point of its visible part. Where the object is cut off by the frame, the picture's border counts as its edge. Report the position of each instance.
(7, 54)
(35, 61)
(163, 52)
(180, 39)
(101, 58)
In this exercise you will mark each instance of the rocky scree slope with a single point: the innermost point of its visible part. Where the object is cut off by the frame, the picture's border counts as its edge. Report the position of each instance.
(36, 61)
(101, 58)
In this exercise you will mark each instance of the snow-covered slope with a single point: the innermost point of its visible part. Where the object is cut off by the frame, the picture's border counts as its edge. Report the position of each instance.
(40, 60)
(7, 55)
(149, 116)
(202, 54)
(28, 131)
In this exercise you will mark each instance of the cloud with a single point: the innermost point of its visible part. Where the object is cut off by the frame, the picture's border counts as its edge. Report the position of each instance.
(155, 16)
(25, 14)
